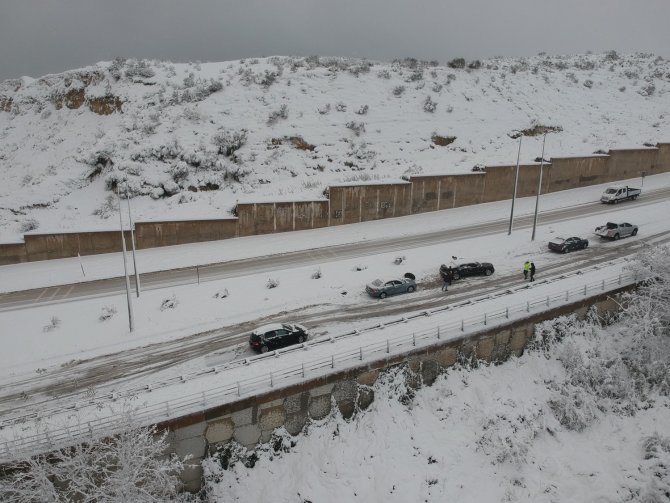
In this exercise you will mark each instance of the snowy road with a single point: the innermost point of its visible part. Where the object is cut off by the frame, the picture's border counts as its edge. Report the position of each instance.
(276, 262)
(128, 368)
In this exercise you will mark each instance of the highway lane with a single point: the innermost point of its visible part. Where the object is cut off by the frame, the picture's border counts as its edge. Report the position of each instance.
(130, 368)
(314, 256)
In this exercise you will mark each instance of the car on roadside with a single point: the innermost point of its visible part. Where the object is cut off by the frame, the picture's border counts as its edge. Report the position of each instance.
(616, 194)
(563, 245)
(473, 269)
(615, 231)
(277, 335)
(382, 289)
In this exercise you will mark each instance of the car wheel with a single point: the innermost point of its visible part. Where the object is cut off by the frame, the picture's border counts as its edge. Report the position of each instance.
(382, 295)
(616, 237)
(457, 275)
(634, 232)
(616, 201)
(565, 250)
(410, 289)
(585, 246)
(488, 272)
(301, 339)
(264, 349)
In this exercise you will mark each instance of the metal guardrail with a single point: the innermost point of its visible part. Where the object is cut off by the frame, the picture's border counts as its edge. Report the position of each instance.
(50, 439)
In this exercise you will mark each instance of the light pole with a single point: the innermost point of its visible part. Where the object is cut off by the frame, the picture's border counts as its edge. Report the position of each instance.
(131, 321)
(132, 243)
(516, 181)
(539, 188)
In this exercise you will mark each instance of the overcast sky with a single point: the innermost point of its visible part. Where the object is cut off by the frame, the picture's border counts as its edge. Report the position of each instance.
(48, 36)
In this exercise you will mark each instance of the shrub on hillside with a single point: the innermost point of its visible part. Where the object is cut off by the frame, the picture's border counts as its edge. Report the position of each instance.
(398, 91)
(456, 63)
(276, 115)
(228, 141)
(429, 105)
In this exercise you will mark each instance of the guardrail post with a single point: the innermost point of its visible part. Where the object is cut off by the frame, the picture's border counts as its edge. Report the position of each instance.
(635, 276)
(332, 361)
(547, 300)
(167, 409)
(507, 313)
(204, 400)
(272, 382)
(603, 285)
(90, 431)
(303, 370)
(484, 318)
(619, 278)
(462, 326)
(238, 389)
(438, 333)
(360, 357)
(197, 271)
(388, 347)
(584, 290)
(413, 339)
(567, 293)
(528, 306)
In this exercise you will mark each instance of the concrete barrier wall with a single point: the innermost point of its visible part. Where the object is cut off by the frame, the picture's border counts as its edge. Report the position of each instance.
(167, 233)
(630, 163)
(572, 172)
(252, 420)
(266, 218)
(358, 203)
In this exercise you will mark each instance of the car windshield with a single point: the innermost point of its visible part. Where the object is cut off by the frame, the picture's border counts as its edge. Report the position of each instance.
(611, 191)
(610, 225)
(255, 337)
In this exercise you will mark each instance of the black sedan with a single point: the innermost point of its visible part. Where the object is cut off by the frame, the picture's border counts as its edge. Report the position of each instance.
(276, 336)
(562, 245)
(473, 269)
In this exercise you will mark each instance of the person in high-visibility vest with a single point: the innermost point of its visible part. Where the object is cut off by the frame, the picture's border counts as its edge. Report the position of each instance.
(526, 268)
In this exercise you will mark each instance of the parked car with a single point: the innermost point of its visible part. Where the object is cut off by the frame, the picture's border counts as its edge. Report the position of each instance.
(615, 231)
(277, 335)
(562, 245)
(613, 195)
(473, 269)
(381, 289)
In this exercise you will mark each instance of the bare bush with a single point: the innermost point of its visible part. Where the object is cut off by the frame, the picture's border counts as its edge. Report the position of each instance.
(29, 225)
(398, 91)
(221, 294)
(53, 324)
(429, 105)
(363, 110)
(276, 115)
(228, 141)
(272, 283)
(456, 63)
(341, 106)
(356, 127)
(169, 303)
(324, 109)
(316, 274)
(107, 313)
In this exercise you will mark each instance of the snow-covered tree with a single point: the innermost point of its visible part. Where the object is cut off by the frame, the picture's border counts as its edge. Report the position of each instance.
(130, 467)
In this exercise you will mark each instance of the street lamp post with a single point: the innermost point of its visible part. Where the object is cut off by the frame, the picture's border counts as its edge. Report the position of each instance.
(516, 181)
(539, 188)
(131, 321)
(132, 243)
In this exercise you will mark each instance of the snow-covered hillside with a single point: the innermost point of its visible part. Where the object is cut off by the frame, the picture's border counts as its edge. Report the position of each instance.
(193, 139)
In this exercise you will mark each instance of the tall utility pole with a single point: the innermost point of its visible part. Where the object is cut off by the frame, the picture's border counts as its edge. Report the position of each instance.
(516, 181)
(131, 321)
(132, 243)
(539, 188)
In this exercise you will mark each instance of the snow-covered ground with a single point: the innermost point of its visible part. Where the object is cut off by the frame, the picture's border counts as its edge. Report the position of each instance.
(565, 422)
(358, 121)
(78, 331)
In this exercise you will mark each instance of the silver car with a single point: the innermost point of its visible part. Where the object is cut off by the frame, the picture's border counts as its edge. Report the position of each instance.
(615, 231)
(381, 289)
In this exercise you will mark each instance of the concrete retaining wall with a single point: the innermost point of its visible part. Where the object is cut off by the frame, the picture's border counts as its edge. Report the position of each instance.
(252, 420)
(358, 203)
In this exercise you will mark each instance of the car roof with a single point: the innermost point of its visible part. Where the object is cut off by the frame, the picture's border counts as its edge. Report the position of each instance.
(268, 328)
